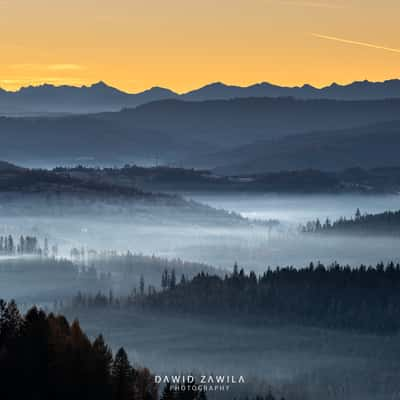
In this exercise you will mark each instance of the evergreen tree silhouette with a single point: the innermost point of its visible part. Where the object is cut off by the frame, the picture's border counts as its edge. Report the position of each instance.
(122, 377)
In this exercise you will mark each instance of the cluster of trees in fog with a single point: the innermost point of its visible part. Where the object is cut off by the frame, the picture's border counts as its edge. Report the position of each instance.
(365, 299)
(130, 269)
(46, 279)
(387, 222)
(25, 245)
(54, 278)
(137, 294)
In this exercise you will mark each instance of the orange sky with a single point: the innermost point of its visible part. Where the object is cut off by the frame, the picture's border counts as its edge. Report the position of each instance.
(183, 44)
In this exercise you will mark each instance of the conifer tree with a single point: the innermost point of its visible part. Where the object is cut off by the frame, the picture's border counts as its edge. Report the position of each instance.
(141, 285)
(122, 377)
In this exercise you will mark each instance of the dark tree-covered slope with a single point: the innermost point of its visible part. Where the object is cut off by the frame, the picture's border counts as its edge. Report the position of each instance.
(340, 297)
(45, 357)
(386, 223)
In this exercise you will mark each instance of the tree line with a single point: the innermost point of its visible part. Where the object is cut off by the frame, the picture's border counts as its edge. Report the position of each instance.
(133, 270)
(25, 245)
(136, 296)
(366, 298)
(387, 222)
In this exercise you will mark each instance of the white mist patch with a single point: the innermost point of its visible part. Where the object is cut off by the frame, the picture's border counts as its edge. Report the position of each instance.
(298, 208)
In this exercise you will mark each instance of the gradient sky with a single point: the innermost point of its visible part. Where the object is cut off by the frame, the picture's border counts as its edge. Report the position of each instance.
(183, 44)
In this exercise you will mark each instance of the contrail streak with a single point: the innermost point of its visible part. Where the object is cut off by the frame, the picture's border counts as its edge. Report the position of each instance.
(364, 44)
(311, 4)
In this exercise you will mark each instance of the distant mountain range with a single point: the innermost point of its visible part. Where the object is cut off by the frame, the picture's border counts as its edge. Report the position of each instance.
(364, 90)
(249, 135)
(47, 99)
(101, 97)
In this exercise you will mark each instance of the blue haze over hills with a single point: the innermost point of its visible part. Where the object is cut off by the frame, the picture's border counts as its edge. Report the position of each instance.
(228, 129)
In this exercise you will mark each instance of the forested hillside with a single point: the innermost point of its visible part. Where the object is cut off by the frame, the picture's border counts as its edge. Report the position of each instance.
(361, 299)
(386, 223)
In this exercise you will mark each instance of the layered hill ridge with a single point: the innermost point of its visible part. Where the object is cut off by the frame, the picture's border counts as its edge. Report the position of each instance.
(71, 99)
(102, 97)
(203, 134)
(37, 192)
(370, 146)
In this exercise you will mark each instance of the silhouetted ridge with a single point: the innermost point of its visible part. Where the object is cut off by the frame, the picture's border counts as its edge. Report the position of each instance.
(102, 97)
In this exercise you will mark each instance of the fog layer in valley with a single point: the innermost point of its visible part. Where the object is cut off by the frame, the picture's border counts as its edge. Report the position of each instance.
(302, 363)
(252, 245)
(297, 209)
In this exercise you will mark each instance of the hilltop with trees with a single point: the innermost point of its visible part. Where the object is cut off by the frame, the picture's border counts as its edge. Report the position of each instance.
(386, 223)
(177, 179)
(364, 299)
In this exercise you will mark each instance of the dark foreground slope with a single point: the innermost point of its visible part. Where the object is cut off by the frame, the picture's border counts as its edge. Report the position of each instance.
(45, 357)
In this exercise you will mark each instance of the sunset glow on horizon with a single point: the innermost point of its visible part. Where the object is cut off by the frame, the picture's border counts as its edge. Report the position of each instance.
(134, 45)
